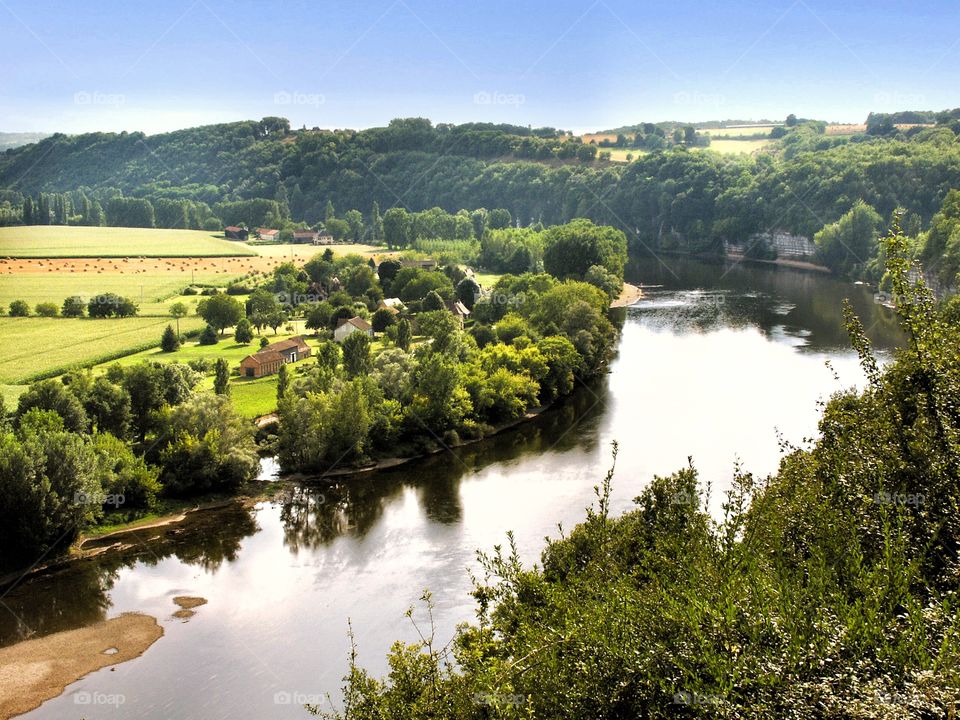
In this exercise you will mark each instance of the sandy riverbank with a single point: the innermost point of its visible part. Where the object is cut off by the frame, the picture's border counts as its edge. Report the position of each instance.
(628, 296)
(34, 671)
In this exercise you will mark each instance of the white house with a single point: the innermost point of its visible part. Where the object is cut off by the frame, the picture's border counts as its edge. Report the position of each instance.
(348, 326)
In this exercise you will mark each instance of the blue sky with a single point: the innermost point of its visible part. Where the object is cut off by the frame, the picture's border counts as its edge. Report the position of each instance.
(584, 65)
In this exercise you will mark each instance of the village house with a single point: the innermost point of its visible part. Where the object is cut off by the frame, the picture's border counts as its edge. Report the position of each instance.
(323, 239)
(348, 326)
(394, 305)
(268, 234)
(459, 310)
(268, 360)
(305, 236)
(232, 232)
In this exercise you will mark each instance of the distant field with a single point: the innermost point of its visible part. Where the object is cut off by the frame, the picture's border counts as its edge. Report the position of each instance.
(305, 252)
(732, 132)
(620, 154)
(63, 241)
(34, 346)
(738, 147)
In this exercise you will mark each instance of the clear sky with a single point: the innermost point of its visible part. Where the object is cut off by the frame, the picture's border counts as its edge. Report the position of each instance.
(576, 64)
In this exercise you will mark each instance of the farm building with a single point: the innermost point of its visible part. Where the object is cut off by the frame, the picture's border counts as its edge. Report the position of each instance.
(305, 236)
(323, 239)
(393, 304)
(232, 232)
(268, 234)
(459, 310)
(270, 358)
(348, 326)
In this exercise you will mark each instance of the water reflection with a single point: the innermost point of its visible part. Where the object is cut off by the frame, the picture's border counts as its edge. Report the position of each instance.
(77, 594)
(799, 307)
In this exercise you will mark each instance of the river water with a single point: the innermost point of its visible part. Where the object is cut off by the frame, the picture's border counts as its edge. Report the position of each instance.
(715, 364)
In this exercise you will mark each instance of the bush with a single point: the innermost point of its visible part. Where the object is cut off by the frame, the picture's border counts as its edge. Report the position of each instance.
(19, 308)
(243, 333)
(73, 307)
(208, 336)
(47, 309)
(189, 291)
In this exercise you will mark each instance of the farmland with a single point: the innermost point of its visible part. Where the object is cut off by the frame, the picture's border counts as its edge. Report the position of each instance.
(79, 242)
(737, 146)
(39, 346)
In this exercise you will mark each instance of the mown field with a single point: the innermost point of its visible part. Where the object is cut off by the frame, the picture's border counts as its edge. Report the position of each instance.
(39, 346)
(76, 241)
(732, 146)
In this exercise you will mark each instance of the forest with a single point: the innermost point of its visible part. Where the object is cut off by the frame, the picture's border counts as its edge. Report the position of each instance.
(676, 197)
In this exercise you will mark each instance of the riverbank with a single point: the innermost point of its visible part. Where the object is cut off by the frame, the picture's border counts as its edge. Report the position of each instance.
(782, 262)
(34, 671)
(628, 296)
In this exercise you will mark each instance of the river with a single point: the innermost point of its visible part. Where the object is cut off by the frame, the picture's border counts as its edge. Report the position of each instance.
(714, 364)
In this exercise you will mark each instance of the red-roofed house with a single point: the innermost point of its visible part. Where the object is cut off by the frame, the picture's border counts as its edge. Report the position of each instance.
(270, 358)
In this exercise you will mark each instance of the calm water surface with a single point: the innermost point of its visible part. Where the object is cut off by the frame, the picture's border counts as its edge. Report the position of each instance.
(713, 364)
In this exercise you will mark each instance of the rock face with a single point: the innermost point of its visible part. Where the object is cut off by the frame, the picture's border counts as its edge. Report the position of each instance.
(790, 247)
(34, 671)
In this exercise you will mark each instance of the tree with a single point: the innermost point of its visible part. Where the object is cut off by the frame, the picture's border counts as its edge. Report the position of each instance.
(467, 292)
(108, 305)
(243, 333)
(211, 448)
(19, 308)
(49, 490)
(108, 408)
(570, 250)
(53, 395)
(221, 379)
(396, 223)
(73, 307)
(220, 311)
(354, 219)
(499, 218)
(376, 223)
(404, 334)
(847, 245)
(433, 301)
(382, 319)
(47, 309)
(208, 336)
(356, 355)
(178, 310)
(387, 270)
(791, 120)
(318, 317)
(169, 341)
(283, 382)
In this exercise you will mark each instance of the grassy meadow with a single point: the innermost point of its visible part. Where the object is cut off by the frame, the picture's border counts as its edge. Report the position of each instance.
(78, 241)
(734, 146)
(44, 346)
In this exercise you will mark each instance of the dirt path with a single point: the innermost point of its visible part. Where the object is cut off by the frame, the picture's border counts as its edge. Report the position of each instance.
(34, 671)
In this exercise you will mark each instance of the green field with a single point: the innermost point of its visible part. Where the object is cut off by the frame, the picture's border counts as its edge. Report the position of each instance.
(63, 241)
(44, 346)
